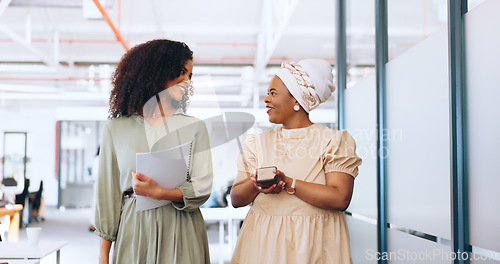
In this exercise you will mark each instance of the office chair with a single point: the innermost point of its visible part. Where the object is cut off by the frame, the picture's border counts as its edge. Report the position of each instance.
(35, 202)
(21, 199)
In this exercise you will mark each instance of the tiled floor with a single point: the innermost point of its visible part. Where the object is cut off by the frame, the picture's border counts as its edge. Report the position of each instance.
(72, 225)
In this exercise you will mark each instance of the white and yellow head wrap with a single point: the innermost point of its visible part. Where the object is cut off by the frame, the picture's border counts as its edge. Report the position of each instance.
(309, 81)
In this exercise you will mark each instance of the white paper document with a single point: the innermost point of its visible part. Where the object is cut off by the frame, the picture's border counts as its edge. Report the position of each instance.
(167, 167)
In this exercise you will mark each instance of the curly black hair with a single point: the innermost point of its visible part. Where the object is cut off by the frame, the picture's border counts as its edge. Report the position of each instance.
(143, 72)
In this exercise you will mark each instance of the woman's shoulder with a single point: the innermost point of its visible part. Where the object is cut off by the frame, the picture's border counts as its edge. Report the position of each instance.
(270, 132)
(191, 122)
(254, 136)
(119, 122)
(332, 135)
(329, 130)
(120, 126)
(187, 118)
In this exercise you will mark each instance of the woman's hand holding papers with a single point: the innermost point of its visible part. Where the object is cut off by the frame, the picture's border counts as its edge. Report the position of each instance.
(146, 186)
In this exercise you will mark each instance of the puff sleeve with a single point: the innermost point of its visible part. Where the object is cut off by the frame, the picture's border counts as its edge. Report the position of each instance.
(340, 155)
(247, 160)
(109, 196)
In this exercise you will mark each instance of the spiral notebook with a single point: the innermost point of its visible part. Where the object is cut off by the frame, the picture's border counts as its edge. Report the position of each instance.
(169, 168)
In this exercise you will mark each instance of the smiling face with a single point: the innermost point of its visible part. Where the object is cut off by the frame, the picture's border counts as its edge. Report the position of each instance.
(176, 88)
(279, 102)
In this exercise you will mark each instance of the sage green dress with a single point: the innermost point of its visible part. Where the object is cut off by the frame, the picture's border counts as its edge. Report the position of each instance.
(174, 233)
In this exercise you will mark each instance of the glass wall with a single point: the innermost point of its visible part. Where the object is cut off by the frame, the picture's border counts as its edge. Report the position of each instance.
(410, 22)
(483, 122)
(361, 121)
(78, 145)
(475, 3)
(13, 161)
(418, 135)
(362, 125)
(418, 144)
(408, 248)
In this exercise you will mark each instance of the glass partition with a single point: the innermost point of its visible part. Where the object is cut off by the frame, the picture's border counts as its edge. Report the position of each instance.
(418, 143)
(363, 236)
(14, 159)
(474, 3)
(483, 123)
(408, 248)
(360, 120)
(79, 142)
(410, 22)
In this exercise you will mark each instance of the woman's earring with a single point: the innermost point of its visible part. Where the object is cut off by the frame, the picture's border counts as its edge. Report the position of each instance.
(296, 108)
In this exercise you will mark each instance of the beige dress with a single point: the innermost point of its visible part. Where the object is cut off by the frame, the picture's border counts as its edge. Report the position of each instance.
(174, 233)
(281, 228)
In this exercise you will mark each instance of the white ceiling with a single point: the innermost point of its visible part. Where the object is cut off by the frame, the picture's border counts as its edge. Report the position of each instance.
(51, 52)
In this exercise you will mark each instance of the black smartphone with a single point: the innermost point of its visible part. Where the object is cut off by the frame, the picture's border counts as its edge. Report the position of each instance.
(266, 177)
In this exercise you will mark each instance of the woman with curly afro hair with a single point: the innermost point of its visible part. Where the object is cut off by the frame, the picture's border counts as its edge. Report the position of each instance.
(151, 89)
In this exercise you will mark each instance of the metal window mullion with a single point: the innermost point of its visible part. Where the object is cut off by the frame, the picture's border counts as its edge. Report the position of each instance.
(381, 47)
(459, 191)
(25, 159)
(3, 157)
(59, 194)
(341, 61)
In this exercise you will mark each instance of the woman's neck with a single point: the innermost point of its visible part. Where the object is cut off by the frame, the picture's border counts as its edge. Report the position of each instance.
(161, 112)
(297, 123)
(165, 106)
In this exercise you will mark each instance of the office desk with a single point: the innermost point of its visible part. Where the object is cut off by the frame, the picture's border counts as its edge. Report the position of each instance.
(23, 251)
(13, 212)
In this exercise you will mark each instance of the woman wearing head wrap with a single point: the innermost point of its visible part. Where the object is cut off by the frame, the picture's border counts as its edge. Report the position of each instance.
(299, 218)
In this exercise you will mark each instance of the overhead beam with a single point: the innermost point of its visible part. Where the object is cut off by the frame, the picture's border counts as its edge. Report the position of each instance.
(117, 33)
(27, 33)
(244, 31)
(21, 41)
(3, 5)
(271, 32)
(26, 42)
(269, 35)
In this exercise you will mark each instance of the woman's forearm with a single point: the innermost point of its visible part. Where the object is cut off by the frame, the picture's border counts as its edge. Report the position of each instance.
(146, 186)
(243, 193)
(323, 196)
(174, 195)
(105, 246)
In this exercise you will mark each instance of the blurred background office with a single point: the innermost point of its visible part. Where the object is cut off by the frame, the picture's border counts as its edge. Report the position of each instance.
(398, 74)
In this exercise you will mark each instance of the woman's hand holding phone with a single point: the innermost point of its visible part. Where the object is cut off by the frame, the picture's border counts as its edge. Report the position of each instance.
(267, 183)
